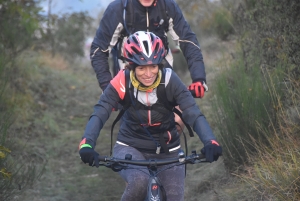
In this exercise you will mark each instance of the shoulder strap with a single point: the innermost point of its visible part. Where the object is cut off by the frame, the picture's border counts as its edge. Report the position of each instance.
(164, 13)
(162, 97)
(128, 19)
(161, 92)
(175, 110)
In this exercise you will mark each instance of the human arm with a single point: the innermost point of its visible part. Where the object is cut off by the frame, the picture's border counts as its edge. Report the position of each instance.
(192, 115)
(102, 111)
(180, 31)
(105, 39)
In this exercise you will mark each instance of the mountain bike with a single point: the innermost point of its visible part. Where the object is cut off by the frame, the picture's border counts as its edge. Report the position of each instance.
(155, 191)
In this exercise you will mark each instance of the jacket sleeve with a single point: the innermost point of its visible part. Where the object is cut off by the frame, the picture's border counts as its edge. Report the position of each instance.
(188, 42)
(105, 39)
(102, 111)
(191, 113)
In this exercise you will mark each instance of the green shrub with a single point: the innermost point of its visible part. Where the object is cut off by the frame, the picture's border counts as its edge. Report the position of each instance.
(222, 23)
(257, 102)
(65, 34)
(18, 22)
(219, 23)
(243, 100)
(272, 25)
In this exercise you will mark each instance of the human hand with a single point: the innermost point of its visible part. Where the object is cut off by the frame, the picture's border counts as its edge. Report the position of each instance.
(212, 151)
(197, 89)
(90, 156)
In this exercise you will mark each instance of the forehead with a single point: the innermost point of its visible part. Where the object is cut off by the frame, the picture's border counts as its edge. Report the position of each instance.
(147, 66)
(146, 0)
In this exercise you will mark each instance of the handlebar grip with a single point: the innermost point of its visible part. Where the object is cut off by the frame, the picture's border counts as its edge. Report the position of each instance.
(201, 156)
(102, 158)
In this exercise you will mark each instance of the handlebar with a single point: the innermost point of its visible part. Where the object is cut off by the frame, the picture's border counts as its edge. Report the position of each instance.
(181, 159)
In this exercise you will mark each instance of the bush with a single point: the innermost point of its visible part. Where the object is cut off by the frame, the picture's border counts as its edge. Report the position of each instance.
(242, 102)
(258, 98)
(272, 26)
(219, 23)
(18, 23)
(65, 35)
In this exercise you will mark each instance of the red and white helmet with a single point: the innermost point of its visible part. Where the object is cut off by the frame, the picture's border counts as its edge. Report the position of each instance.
(144, 48)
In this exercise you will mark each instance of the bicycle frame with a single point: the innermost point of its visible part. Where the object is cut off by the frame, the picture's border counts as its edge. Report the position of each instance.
(155, 191)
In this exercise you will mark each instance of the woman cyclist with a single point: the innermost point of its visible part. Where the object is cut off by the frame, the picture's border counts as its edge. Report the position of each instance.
(148, 129)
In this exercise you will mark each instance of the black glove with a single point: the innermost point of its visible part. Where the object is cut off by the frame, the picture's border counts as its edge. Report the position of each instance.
(212, 151)
(90, 156)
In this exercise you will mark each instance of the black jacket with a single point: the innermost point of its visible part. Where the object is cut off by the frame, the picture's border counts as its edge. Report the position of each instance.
(112, 25)
(158, 120)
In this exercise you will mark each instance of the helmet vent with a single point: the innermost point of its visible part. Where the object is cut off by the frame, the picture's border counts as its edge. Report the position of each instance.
(156, 47)
(135, 50)
(135, 40)
(129, 55)
(146, 47)
(152, 38)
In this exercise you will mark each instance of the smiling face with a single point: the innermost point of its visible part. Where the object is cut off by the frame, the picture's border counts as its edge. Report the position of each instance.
(146, 74)
(146, 3)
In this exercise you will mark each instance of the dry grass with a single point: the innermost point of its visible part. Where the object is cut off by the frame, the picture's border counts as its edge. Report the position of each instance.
(56, 62)
(275, 170)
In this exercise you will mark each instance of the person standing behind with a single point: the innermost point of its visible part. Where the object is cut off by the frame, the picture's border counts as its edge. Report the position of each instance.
(157, 16)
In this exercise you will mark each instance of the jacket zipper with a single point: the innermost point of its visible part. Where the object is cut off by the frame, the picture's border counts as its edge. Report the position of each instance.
(147, 19)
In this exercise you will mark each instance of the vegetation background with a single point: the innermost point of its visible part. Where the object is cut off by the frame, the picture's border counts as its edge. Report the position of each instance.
(48, 88)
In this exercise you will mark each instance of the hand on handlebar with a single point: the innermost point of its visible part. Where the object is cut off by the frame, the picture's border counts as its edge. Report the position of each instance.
(90, 156)
(212, 151)
(198, 88)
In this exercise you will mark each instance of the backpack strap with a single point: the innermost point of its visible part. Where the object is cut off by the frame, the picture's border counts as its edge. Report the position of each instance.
(164, 13)
(161, 92)
(128, 21)
(128, 18)
(162, 97)
(175, 110)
